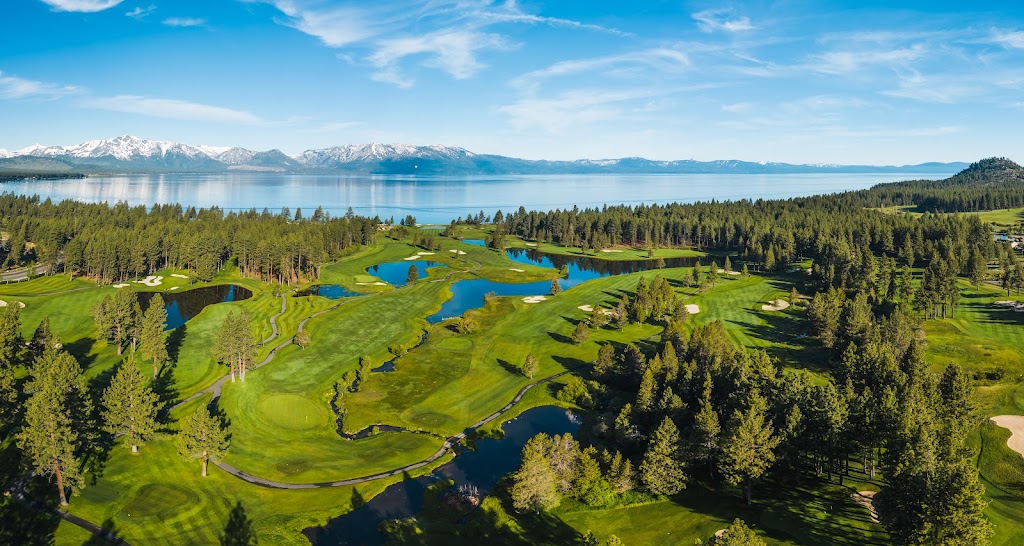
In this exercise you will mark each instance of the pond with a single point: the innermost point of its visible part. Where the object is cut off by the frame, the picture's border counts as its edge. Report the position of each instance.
(329, 291)
(584, 268)
(482, 467)
(475, 242)
(470, 294)
(397, 273)
(182, 306)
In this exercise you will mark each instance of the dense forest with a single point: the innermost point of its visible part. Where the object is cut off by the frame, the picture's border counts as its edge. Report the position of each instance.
(114, 243)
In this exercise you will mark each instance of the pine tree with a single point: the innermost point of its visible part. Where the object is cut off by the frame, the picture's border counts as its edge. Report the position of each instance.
(530, 366)
(534, 485)
(713, 274)
(413, 276)
(706, 429)
(152, 339)
(581, 333)
(728, 265)
(131, 405)
(11, 343)
(555, 287)
(648, 389)
(605, 363)
(749, 450)
(50, 437)
(202, 437)
(662, 468)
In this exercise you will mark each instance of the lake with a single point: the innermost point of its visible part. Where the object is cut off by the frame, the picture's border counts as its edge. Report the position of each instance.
(440, 199)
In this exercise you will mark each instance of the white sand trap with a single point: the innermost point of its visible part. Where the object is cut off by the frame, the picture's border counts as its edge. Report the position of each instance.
(152, 280)
(721, 532)
(378, 283)
(179, 276)
(175, 287)
(609, 250)
(517, 270)
(424, 253)
(534, 299)
(530, 244)
(721, 271)
(461, 253)
(416, 257)
(120, 285)
(587, 308)
(692, 308)
(734, 272)
(18, 303)
(1006, 303)
(775, 305)
(1015, 424)
(867, 500)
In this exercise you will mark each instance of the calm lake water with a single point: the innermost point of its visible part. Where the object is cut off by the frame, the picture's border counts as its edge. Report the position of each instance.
(483, 467)
(437, 199)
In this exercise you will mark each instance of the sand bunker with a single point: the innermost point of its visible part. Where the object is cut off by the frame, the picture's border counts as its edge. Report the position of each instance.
(120, 285)
(530, 244)
(587, 308)
(179, 276)
(609, 250)
(455, 251)
(416, 257)
(518, 270)
(18, 303)
(867, 500)
(175, 287)
(721, 532)
(424, 253)
(734, 272)
(1015, 424)
(776, 305)
(692, 308)
(534, 299)
(152, 280)
(378, 283)
(1006, 303)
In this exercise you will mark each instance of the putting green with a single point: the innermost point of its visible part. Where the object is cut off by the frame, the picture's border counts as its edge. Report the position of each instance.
(156, 499)
(292, 411)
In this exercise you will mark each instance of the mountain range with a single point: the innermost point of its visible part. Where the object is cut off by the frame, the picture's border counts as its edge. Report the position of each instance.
(129, 154)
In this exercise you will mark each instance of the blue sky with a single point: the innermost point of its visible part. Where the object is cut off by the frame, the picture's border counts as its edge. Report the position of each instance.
(807, 82)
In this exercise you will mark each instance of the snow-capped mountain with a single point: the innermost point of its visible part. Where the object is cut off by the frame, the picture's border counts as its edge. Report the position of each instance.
(129, 154)
(362, 153)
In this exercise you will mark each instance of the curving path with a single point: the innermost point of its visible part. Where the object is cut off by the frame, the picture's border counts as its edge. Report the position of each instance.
(18, 492)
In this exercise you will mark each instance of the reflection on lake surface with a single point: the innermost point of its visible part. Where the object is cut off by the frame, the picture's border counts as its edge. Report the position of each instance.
(585, 268)
(182, 306)
(440, 199)
(483, 467)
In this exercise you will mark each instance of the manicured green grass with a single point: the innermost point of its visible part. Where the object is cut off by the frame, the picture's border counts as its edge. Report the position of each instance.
(1003, 217)
(616, 253)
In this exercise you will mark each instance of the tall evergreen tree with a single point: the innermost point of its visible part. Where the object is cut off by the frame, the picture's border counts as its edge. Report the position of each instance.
(130, 405)
(51, 437)
(534, 485)
(153, 339)
(749, 450)
(202, 437)
(662, 468)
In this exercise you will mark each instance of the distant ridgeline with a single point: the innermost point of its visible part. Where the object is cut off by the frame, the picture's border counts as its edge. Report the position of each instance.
(112, 243)
(990, 184)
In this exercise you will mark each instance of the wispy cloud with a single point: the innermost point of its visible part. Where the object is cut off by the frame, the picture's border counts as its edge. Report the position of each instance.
(659, 59)
(841, 62)
(1009, 40)
(184, 22)
(170, 108)
(140, 12)
(451, 51)
(571, 108)
(83, 6)
(447, 35)
(717, 19)
(13, 87)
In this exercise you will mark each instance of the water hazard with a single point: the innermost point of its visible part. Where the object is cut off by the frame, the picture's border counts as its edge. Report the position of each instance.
(182, 306)
(481, 467)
